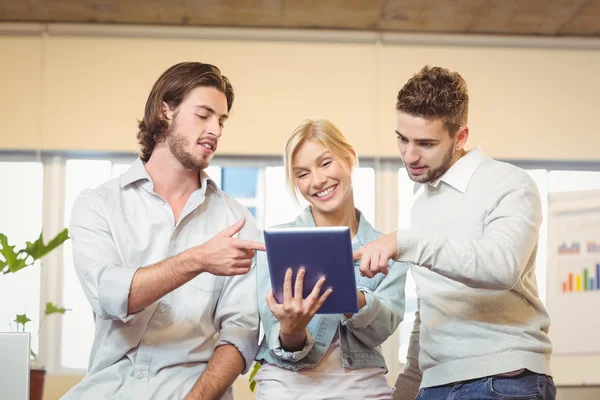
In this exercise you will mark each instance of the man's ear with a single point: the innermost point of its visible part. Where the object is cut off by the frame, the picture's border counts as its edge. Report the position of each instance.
(461, 137)
(166, 112)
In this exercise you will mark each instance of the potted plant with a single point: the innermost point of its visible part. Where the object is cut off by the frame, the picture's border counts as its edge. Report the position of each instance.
(13, 261)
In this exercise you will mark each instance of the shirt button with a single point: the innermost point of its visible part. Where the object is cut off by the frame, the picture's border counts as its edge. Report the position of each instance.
(140, 375)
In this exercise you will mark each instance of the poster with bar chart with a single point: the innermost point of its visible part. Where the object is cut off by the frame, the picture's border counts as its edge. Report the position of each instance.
(573, 291)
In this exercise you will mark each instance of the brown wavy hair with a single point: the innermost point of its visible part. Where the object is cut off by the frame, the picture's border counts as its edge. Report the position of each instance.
(436, 93)
(172, 87)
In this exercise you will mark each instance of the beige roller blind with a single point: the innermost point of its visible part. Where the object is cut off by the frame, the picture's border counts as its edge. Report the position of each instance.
(97, 87)
(21, 92)
(525, 103)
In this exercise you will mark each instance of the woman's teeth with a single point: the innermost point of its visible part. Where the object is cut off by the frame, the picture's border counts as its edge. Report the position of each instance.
(326, 192)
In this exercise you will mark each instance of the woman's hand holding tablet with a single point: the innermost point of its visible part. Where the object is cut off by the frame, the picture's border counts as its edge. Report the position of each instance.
(295, 312)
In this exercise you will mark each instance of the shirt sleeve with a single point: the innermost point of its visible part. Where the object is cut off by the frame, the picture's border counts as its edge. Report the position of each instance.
(496, 259)
(293, 356)
(106, 283)
(236, 318)
(384, 309)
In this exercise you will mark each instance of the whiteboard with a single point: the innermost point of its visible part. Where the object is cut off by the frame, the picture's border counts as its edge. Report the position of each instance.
(573, 286)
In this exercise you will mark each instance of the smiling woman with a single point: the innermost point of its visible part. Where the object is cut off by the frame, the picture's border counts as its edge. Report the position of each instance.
(338, 355)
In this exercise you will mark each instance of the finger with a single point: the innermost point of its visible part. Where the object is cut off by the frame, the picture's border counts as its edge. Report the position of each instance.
(287, 287)
(249, 245)
(374, 263)
(243, 254)
(321, 301)
(357, 254)
(242, 268)
(233, 229)
(271, 301)
(317, 289)
(383, 265)
(364, 264)
(299, 286)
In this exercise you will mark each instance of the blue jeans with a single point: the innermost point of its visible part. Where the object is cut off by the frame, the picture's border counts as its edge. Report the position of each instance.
(525, 386)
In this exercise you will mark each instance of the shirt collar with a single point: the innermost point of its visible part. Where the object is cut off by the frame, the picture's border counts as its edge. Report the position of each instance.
(137, 172)
(460, 173)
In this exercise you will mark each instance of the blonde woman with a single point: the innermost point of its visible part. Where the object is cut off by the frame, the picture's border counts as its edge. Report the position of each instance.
(309, 356)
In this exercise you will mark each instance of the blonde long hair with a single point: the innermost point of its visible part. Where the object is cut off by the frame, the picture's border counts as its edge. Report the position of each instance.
(327, 133)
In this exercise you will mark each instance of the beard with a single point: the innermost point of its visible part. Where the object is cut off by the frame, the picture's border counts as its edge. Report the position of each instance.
(433, 174)
(178, 143)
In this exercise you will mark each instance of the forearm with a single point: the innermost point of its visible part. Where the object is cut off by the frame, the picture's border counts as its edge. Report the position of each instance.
(492, 262)
(225, 365)
(493, 259)
(151, 283)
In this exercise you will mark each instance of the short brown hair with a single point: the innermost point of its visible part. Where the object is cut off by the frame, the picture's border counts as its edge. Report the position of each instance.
(172, 88)
(436, 93)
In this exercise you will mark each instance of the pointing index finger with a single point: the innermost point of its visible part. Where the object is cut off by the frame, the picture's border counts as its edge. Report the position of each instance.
(249, 245)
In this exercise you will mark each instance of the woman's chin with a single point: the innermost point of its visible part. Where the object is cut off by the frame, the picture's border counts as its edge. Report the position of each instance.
(326, 207)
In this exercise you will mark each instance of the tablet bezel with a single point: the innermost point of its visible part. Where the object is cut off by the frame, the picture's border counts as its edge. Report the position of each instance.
(322, 251)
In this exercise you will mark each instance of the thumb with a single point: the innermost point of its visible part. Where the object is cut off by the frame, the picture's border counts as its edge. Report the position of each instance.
(357, 254)
(233, 229)
(271, 301)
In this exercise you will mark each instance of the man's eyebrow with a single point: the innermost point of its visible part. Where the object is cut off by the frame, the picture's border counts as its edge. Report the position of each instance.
(426, 140)
(420, 140)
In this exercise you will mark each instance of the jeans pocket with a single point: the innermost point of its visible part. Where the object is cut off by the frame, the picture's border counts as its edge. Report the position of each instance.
(516, 388)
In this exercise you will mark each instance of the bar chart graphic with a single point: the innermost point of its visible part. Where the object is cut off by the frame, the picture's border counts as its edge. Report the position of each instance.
(593, 247)
(573, 274)
(572, 248)
(586, 281)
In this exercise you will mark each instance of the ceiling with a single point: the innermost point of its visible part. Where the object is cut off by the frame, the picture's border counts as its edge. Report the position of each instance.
(521, 17)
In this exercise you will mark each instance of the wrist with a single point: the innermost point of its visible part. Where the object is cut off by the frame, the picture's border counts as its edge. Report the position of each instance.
(192, 260)
(292, 341)
(362, 299)
(394, 244)
(293, 333)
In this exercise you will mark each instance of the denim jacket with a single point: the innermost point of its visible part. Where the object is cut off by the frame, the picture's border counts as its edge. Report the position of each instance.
(360, 336)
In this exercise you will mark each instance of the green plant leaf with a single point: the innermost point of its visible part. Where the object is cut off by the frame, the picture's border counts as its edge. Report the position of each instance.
(38, 249)
(22, 319)
(11, 258)
(52, 309)
(255, 369)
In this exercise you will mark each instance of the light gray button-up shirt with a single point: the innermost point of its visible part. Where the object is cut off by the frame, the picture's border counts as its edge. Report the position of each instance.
(160, 351)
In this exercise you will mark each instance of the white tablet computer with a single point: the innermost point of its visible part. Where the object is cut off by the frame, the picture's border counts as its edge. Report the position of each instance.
(324, 252)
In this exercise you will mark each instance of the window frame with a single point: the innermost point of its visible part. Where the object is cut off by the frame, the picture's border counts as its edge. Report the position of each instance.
(54, 164)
